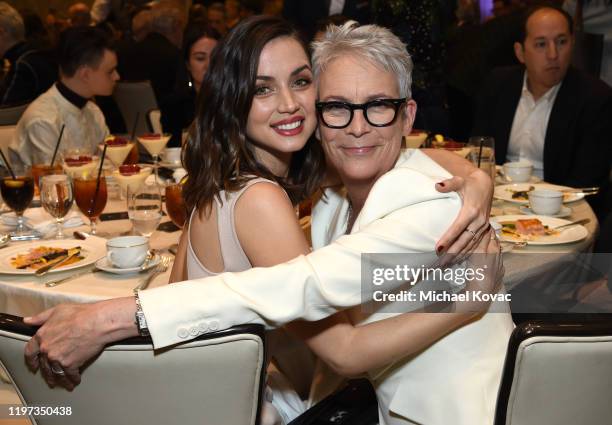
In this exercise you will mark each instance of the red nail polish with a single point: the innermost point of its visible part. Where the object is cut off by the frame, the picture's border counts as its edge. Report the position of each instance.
(441, 184)
(440, 249)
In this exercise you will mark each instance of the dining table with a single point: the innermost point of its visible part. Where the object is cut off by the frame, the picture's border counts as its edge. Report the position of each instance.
(25, 295)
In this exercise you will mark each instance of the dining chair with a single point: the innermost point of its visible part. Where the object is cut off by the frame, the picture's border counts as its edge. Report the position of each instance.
(135, 98)
(217, 378)
(557, 373)
(154, 121)
(10, 115)
(6, 137)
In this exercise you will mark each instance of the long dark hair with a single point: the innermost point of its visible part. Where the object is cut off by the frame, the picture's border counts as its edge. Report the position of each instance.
(218, 155)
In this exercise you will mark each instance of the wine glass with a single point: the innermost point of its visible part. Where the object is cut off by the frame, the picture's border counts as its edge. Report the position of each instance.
(56, 198)
(145, 208)
(17, 192)
(175, 206)
(482, 153)
(90, 196)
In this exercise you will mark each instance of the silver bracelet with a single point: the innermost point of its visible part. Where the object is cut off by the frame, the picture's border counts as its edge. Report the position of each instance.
(139, 317)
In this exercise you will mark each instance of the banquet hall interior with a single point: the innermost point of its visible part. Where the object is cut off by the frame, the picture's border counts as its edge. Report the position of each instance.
(195, 194)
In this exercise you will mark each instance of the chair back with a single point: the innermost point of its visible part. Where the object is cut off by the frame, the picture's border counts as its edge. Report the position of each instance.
(10, 115)
(217, 378)
(135, 97)
(154, 121)
(557, 374)
(6, 137)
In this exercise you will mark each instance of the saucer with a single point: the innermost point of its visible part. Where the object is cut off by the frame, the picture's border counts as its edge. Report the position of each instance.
(104, 265)
(563, 212)
(171, 165)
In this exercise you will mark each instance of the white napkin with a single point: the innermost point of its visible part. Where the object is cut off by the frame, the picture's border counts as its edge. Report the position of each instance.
(38, 219)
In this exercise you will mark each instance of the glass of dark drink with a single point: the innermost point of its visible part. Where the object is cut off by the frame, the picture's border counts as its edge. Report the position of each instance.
(175, 206)
(56, 197)
(90, 203)
(17, 193)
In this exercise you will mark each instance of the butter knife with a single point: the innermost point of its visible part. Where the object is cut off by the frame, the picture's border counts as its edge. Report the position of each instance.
(573, 223)
(55, 263)
(55, 282)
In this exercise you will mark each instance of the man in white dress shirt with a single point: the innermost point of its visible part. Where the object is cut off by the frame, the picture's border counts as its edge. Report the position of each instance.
(547, 112)
(87, 69)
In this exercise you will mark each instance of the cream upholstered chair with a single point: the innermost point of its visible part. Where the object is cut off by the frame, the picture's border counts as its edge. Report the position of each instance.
(135, 98)
(6, 136)
(10, 115)
(215, 379)
(557, 374)
(154, 121)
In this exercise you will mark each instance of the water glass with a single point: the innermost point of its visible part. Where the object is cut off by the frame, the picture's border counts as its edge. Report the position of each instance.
(145, 208)
(56, 197)
(482, 153)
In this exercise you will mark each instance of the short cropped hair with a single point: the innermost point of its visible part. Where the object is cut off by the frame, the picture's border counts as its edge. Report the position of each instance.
(529, 12)
(11, 22)
(79, 46)
(373, 43)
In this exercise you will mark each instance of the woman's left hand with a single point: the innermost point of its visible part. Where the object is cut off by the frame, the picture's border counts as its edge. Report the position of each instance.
(471, 224)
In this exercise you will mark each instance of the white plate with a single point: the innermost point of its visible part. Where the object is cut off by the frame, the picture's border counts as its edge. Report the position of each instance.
(171, 165)
(104, 265)
(92, 249)
(567, 235)
(563, 212)
(505, 192)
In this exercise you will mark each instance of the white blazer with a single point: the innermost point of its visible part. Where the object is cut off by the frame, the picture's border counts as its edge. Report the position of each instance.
(454, 381)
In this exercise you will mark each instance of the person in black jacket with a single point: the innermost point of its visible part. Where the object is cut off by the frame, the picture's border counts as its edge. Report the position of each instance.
(548, 113)
(31, 71)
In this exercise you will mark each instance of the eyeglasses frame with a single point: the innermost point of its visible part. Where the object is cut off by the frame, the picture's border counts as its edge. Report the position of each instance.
(397, 104)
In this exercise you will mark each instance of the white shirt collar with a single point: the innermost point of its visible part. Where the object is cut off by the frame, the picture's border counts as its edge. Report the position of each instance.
(549, 96)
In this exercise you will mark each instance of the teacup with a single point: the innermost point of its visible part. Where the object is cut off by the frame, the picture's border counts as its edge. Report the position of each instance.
(171, 155)
(545, 201)
(518, 172)
(127, 251)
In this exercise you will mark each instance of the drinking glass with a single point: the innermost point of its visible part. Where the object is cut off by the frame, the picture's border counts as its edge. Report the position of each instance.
(482, 153)
(175, 207)
(56, 197)
(39, 170)
(17, 193)
(89, 202)
(145, 208)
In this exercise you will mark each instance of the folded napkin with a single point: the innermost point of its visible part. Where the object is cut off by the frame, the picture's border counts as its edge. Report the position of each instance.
(38, 219)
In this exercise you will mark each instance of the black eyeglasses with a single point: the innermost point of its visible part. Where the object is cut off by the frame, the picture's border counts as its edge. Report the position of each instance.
(378, 113)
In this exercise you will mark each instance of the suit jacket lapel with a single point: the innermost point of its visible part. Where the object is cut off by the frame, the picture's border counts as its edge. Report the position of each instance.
(557, 143)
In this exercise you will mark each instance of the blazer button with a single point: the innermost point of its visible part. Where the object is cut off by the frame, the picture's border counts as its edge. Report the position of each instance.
(213, 325)
(203, 327)
(193, 331)
(183, 333)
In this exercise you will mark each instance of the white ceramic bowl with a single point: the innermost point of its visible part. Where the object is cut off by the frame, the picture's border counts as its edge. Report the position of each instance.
(545, 201)
(518, 172)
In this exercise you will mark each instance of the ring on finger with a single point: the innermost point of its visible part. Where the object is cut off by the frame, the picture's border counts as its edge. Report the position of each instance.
(472, 232)
(57, 370)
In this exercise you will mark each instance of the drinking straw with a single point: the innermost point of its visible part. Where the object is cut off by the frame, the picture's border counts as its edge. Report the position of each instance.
(7, 165)
(95, 197)
(134, 126)
(59, 139)
(480, 151)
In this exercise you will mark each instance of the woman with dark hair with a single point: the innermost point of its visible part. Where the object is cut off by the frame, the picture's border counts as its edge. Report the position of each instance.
(199, 40)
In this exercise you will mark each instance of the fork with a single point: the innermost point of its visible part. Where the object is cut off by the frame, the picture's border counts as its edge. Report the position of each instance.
(159, 269)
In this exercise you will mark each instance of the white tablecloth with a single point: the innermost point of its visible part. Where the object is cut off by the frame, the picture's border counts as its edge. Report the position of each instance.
(27, 295)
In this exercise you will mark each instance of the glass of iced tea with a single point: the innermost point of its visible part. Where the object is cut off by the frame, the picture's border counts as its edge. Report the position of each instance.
(17, 193)
(90, 203)
(39, 170)
(56, 197)
(175, 207)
